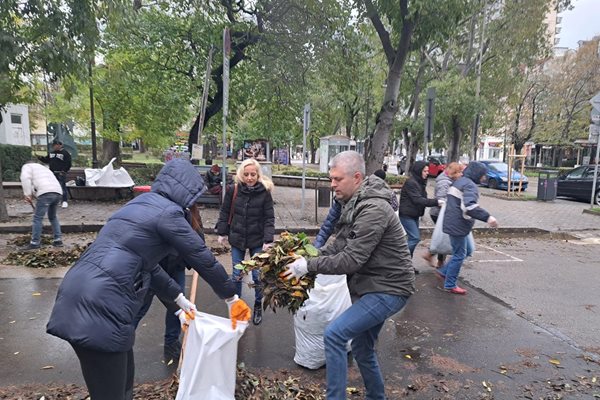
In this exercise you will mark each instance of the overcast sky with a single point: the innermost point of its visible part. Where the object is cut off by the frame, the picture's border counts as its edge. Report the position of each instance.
(580, 23)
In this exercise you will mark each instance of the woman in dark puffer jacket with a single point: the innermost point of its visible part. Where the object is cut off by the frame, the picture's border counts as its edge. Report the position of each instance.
(247, 219)
(101, 295)
(413, 200)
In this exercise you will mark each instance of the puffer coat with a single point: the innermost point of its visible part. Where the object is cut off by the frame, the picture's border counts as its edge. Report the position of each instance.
(253, 219)
(462, 202)
(102, 293)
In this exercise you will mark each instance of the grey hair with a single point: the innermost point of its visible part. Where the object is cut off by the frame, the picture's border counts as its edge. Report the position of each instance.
(350, 162)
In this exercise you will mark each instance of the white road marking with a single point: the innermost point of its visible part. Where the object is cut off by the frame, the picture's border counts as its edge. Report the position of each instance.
(511, 258)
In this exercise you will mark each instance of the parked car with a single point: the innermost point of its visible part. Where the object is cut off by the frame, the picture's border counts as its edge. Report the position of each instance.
(577, 183)
(497, 176)
(437, 164)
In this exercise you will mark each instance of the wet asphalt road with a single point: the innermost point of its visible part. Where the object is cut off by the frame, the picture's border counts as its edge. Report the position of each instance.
(439, 345)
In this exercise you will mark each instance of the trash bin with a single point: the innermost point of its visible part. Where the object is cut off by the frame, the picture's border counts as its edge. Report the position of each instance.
(323, 196)
(547, 182)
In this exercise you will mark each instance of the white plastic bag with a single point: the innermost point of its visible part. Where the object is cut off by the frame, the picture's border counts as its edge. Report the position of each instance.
(108, 176)
(210, 358)
(327, 300)
(440, 241)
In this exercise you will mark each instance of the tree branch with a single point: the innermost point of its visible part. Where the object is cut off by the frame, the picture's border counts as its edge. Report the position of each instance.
(383, 34)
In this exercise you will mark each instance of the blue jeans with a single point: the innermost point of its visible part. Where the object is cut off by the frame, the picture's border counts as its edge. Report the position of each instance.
(411, 226)
(172, 324)
(48, 202)
(237, 255)
(360, 323)
(452, 268)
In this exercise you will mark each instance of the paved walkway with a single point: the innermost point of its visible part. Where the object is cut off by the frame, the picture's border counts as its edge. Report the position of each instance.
(555, 216)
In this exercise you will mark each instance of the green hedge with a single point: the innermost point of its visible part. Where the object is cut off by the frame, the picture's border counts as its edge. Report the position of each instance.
(144, 176)
(295, 171)
(13, 158)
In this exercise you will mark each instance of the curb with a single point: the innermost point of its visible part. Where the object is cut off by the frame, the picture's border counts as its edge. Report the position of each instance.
(312, 231)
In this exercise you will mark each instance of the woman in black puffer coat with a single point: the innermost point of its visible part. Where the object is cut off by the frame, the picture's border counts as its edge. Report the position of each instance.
(101, 295)
(247, 220)
(413, 201)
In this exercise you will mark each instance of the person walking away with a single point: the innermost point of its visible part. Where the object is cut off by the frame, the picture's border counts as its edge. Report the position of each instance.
(102, 293)
(59, 161)
(443, 182)
(380, 273)
(38, 181)
(462, 208)
(413, 201)
(247, 222)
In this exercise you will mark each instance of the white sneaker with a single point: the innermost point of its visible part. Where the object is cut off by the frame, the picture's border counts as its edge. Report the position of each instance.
(65, 204)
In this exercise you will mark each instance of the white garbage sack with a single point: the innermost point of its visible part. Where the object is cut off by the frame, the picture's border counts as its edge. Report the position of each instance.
(108, 176)
(209, 364)
(440, 241)
(327, 300)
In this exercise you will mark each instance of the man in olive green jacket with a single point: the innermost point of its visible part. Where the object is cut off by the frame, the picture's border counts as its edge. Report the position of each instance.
(371, 248)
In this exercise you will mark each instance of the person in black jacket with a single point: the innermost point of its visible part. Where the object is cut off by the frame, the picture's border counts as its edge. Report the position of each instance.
(213, 179)
(59, 162)
(101, 295)
(413, 200)
(247, 221)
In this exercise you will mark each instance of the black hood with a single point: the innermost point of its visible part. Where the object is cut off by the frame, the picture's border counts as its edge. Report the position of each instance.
(417, 169)
(475, 170)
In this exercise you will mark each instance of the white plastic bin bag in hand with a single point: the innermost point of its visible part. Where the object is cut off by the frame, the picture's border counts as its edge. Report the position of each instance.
(210, 359)
(327, 300)
(440, 241)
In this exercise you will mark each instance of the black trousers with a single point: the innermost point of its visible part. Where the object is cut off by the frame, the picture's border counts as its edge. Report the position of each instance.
(108, 376)
(61, 177)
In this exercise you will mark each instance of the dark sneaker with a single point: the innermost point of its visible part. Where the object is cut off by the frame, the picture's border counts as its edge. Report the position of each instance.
(57, 243)
(172, 351)
(30, 246)
(257, 314)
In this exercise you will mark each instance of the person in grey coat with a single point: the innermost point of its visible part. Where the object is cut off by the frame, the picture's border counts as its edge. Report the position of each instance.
(100, 296)
(377, 261)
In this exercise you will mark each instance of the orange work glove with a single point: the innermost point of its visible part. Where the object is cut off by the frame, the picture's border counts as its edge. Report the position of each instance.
(238, 310)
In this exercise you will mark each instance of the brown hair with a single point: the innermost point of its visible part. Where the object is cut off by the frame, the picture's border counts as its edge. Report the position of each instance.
(196, 219)
(454, 170)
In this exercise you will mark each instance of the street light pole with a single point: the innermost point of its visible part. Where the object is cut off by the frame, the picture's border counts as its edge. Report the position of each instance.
(474, 145)
(92, 117)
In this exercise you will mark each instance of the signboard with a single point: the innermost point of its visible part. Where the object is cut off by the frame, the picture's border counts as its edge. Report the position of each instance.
(594, 132)
(595, 116)
(257, 149)
(196, 151)
(595, 101)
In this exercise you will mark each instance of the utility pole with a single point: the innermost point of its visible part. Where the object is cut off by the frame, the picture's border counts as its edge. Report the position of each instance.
(92, 117)
(306, 127)
(429, 121)
(226, 53)
(475, 131)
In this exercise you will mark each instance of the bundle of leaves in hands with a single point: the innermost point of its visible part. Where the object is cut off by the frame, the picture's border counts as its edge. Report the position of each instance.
(279, 292)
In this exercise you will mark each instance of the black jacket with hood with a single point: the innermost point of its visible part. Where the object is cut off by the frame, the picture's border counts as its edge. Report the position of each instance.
(100, 296)
(413, 196)
(253, 219)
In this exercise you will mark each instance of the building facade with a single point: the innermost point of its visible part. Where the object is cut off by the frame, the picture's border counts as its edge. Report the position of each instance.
(14, 128)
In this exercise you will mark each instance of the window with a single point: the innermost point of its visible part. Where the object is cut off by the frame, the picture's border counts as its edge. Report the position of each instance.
(576, 173)
(589, 174)
(15, 119)
(494, 154)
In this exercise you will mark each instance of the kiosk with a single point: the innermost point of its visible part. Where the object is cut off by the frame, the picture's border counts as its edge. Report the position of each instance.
(329, 147)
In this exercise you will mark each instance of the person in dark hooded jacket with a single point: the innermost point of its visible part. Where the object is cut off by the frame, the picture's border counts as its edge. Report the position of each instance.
(100, 296)
(462, 209)
(413, 201)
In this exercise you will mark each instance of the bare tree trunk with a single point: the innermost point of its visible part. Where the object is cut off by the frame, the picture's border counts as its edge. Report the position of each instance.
(453, 153)
(142, 146)
(396, 58)
(110, 150)
(3, 211)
